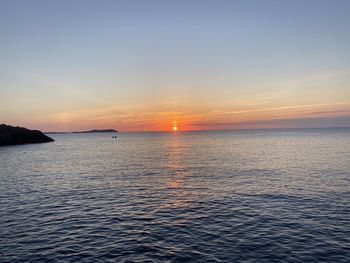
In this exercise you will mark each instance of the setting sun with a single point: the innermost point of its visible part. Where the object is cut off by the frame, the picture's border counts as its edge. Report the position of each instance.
(174, 128)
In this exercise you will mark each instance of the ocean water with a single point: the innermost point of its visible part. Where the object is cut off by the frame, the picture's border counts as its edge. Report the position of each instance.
(239, 196)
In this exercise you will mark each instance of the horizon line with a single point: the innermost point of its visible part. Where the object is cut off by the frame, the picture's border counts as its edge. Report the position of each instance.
(208, 130)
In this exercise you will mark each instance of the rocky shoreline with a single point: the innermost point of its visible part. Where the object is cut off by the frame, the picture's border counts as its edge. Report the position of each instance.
(10, 135)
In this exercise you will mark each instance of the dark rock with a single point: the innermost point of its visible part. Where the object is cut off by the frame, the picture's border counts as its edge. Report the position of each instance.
(10, 135)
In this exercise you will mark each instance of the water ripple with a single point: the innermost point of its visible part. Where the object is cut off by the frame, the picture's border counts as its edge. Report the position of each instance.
(201, 197)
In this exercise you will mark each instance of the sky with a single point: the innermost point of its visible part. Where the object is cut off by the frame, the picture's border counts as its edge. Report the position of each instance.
(147, 65)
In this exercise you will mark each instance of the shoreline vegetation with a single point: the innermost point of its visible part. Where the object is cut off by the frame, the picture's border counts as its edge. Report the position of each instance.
(10, 135)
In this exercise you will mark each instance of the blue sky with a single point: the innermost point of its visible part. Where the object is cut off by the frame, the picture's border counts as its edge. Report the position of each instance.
(140, 65)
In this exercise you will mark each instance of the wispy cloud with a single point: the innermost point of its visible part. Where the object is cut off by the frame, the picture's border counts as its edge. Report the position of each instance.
(340, 121)
(327, 112)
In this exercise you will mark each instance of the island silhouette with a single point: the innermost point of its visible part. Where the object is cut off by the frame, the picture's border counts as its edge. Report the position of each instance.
(10, 135)
(90, 131)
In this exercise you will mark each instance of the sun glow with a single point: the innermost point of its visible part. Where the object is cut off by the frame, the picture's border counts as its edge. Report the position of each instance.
(174, 126)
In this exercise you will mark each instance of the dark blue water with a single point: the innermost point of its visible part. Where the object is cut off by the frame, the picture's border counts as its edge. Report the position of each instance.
(248, 196)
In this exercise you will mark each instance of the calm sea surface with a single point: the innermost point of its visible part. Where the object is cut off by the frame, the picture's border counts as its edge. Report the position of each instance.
(241, 196)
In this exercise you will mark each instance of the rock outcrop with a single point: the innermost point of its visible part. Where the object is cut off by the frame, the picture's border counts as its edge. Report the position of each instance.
(10, 135)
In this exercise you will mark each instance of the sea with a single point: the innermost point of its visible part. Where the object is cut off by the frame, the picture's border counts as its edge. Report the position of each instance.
(209, 196)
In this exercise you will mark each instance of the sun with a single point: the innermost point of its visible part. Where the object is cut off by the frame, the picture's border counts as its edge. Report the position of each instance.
(174, 128)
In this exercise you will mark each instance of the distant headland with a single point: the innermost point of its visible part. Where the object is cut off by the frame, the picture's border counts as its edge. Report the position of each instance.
(96, 131)
(10, 135)
(91, 131)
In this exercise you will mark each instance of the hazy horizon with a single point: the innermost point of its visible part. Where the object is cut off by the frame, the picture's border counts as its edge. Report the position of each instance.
(208, 130)
(196, 65)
